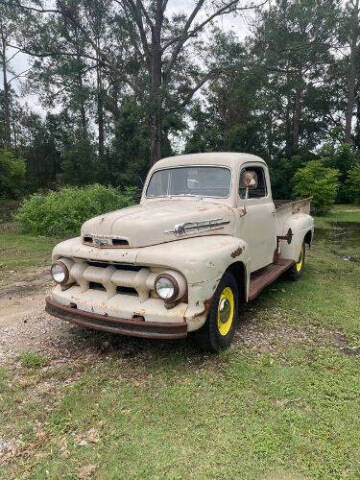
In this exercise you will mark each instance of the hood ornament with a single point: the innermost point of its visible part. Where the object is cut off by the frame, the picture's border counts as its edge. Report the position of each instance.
(197, 227)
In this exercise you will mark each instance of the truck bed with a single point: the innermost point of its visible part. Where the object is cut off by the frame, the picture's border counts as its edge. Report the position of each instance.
(293, 206)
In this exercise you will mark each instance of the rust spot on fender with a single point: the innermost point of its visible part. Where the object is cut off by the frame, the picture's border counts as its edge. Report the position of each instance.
(205, 311)
(237, 252)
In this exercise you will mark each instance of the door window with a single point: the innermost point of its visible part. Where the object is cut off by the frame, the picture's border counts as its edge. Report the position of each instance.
(260, 191)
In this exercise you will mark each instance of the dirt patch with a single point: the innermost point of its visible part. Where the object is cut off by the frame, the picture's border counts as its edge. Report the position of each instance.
(25, 326)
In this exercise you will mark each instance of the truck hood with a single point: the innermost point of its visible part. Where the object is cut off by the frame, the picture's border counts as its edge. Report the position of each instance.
(158, 222)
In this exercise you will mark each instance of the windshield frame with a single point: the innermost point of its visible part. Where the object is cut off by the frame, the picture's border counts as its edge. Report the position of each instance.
(189, 195)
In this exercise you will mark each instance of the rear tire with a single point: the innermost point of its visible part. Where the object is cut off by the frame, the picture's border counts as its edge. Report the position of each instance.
(220, 326)
(297, 270)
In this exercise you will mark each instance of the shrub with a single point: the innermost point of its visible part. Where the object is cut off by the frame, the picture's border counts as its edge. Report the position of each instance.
(344, 158)
(12, 174)
(353, 184)
(319, 182)
(62, 213)
(282, 172)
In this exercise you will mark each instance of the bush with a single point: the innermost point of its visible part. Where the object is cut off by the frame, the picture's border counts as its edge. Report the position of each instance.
(12, 174)
(344, 158)
(353, 184)
(282, 172)
(319, 182)
(62, 213)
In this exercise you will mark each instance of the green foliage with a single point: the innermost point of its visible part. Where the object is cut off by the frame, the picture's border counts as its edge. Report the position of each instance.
(128, 157)
(319, 182)
(353, 184)
(78, 163)
(343, 158)
(31, 360)
(12, 174)
(282, 173)
(62, 213)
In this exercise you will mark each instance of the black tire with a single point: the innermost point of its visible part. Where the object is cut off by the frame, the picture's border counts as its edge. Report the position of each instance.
(295, 272)
(217, 334)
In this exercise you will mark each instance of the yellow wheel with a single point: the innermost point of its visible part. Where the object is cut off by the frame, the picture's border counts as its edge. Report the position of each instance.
(300, 263)
(219, 329)
(225, 313)
(296, 271)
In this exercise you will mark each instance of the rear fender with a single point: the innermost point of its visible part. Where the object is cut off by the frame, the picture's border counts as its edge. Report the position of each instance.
(301, 225)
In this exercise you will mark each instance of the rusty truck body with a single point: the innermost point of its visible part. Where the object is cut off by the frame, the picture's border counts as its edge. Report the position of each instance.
(206, 236)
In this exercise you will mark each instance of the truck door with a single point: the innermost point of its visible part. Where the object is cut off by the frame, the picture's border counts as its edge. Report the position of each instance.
(257, 226)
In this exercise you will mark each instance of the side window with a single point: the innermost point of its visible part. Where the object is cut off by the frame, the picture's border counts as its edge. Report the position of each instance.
(260, 190)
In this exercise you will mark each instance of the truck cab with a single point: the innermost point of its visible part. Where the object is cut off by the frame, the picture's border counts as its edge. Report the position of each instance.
(206, 236)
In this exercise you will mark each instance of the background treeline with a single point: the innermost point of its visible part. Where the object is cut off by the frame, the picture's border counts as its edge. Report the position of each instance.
(124, 82)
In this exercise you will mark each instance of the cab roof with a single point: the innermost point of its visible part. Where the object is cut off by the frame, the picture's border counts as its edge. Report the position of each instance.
(229, 159)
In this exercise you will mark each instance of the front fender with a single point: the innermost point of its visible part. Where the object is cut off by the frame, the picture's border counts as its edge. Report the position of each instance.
(203, 261)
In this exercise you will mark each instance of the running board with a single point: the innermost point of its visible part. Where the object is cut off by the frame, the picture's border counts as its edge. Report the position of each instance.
(266, 276)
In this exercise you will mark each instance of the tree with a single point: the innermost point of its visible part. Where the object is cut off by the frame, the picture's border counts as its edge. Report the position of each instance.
(353, 183)
(293, 42)
(12, 174)
(351, 32)
(9, 24)
(160, 43)
(321, 183)
(344, 158)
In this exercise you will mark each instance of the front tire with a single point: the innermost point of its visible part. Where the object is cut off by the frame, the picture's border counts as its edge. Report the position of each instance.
(297, 270)
(220, 326)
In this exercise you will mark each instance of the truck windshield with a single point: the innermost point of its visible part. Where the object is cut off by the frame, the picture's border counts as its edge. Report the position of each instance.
(190, 181)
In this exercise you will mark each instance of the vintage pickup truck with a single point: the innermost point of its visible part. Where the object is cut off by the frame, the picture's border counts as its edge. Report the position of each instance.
(206, 237)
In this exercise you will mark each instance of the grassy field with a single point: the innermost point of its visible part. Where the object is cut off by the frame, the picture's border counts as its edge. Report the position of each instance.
(282, 404)
(24, 251)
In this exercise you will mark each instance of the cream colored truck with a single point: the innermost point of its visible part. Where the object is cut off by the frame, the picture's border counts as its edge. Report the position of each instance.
(205, 237)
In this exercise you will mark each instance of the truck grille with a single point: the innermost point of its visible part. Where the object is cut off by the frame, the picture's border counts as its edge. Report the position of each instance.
(113, 279)
(118, 266)
(105, 242)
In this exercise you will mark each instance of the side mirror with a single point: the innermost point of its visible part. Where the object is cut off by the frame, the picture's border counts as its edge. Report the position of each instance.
(249, 180)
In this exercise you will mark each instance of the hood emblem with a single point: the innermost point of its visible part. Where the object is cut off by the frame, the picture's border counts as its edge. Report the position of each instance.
(196, 227)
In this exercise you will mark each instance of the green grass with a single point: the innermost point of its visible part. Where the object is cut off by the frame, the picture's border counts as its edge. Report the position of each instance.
(31, 360)
(340, 213)
(283, 404)
(19, 251)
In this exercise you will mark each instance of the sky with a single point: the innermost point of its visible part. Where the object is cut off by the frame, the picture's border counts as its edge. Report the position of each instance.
(237, 23)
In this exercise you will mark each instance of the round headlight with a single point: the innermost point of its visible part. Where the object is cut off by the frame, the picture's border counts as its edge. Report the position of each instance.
(59, 272)
(166, 287)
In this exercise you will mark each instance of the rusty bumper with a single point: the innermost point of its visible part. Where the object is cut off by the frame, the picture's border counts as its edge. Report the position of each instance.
(135, 327)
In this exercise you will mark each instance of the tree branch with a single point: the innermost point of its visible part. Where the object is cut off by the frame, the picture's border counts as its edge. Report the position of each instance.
(128, 5)
(183, 37)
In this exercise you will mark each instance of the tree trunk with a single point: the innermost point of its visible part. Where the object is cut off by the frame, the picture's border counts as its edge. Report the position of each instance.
(350, 97)
(156, 84)
(82, 110)
(269, 135)
(297, 118)
(7, 119)
(287, 129)
(351, 74)
(100, 110)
